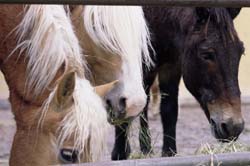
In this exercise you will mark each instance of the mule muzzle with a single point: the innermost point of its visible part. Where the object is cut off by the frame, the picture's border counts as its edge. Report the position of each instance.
(226, 130)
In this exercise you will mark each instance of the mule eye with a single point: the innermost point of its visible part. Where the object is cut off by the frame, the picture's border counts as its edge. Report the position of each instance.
(208, 56)
(68, 156)
(208, 96)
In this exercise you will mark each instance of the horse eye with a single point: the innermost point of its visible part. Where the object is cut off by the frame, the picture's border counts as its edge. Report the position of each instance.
(208, 56)
(68, 156)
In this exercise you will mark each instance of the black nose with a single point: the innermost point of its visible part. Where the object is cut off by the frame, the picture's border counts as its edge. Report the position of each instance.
(117, 106)
(68, 155)
(226, 130)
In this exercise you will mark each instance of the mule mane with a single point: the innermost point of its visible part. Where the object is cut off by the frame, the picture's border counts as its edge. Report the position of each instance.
(183, 18)
(223, 21)
(120, 30)
(47, 36)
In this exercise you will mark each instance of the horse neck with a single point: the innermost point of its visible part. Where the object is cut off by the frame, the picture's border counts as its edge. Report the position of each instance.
(84, 40)
(10, 16)
(11, 64)
(176, 20)
(14, 68)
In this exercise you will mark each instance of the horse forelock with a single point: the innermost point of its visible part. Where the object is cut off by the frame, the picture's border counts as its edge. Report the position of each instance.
(47, 36)
(120, 30)
(83, 123)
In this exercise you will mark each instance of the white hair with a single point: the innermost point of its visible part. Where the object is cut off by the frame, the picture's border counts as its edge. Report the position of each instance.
(119, 29)
(87, 123)
(47, 35)
(123, 31)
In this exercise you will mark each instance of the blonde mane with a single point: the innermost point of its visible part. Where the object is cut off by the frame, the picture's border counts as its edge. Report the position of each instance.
(87, 124)
(47, 36)
(121, 30)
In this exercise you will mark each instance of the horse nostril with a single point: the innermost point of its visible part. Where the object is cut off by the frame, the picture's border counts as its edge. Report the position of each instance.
(68, 155)
(109, 103)
(116, 107)
(122, 103)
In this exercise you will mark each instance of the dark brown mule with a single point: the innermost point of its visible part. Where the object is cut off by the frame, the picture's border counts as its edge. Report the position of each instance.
(201, 45)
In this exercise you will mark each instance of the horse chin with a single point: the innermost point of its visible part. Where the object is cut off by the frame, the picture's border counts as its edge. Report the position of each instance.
(118, 120)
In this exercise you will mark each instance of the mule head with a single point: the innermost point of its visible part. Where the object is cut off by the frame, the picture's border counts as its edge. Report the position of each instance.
(210, 69)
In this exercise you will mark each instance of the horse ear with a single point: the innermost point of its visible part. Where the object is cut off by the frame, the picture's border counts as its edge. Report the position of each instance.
(65, 89)
(202, 14)
(102, 90)
(233, 12)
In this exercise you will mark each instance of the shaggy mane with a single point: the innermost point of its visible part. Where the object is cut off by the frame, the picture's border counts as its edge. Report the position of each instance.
(47, 36)
(121, 30)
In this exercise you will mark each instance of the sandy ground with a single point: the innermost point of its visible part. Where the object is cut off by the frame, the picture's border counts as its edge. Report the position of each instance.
(192, 128)
(192, 131)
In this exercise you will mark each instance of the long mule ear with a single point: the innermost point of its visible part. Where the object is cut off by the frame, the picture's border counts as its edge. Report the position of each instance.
(65, 89)
(233, 12)
(102, 90)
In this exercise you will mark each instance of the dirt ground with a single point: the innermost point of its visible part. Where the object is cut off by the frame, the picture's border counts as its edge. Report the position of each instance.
(192, 131)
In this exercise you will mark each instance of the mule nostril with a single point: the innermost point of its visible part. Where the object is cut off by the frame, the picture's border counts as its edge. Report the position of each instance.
(225, 129)
(68, 155)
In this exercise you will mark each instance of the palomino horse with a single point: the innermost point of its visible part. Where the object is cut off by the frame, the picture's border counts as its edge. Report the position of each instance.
(53, 104)
(201, 45)
(116, 40)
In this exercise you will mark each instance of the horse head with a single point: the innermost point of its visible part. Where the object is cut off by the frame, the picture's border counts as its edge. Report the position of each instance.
(53, 103)
(115, 40)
